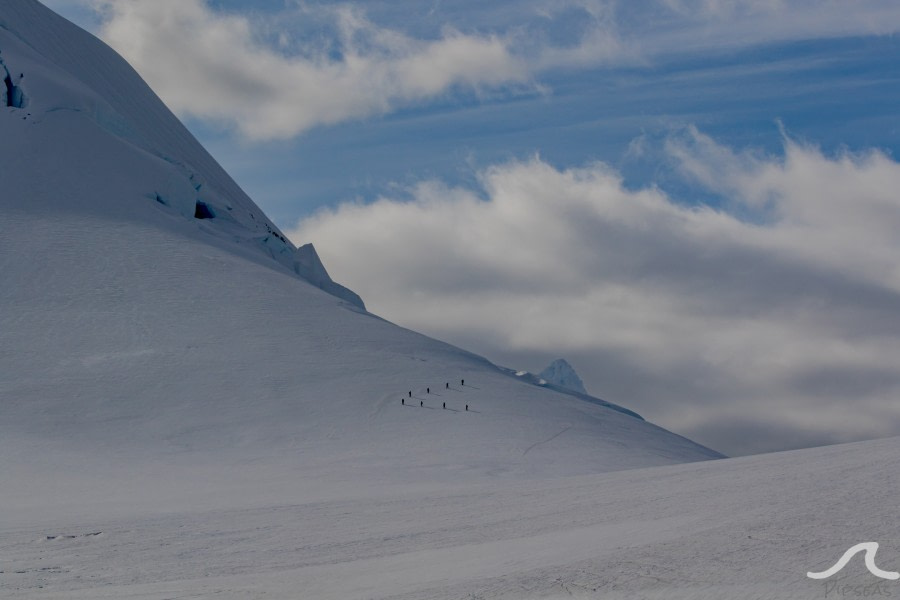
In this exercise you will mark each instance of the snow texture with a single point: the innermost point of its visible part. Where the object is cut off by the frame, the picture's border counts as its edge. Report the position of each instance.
(561, 373)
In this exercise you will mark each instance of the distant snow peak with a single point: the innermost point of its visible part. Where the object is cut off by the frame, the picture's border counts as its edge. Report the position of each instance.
(561, 373)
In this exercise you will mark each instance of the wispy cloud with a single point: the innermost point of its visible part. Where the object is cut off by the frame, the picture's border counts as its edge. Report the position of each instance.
(699, 316)
(211, 65)
(244, 72)
(693, 25)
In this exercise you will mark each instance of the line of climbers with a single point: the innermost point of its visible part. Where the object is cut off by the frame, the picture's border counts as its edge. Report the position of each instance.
(462, 382)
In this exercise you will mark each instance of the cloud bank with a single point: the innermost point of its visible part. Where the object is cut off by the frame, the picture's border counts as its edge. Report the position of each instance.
(243, 71)
(777, 312)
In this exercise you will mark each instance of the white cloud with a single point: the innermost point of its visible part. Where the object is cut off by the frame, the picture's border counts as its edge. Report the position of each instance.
(210, 64)
(700, 318)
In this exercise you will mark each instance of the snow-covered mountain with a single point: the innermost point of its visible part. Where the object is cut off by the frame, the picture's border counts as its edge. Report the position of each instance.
(150, 310)
(562, 374)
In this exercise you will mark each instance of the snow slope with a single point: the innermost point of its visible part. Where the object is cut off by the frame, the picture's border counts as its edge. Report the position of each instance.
(747, 528)
(72, 90)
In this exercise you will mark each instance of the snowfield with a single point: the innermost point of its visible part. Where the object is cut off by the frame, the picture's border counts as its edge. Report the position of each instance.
(737, 528)
(190, 407)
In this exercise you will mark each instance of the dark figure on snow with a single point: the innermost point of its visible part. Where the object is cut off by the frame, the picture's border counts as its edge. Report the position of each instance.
(421, 403)
(467, 408)
(462, 382)
(445, 405)
(410, 393)
(403, 401)
(447, 386)
(427, 390)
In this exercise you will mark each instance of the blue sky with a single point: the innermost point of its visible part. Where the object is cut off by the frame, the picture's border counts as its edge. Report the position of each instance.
(836, 91)
(738, 98)
(403, 132)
